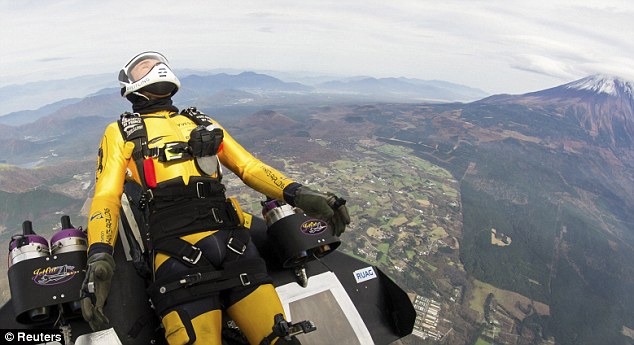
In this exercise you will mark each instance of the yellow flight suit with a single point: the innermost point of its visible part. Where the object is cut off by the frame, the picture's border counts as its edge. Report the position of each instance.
(253, 313)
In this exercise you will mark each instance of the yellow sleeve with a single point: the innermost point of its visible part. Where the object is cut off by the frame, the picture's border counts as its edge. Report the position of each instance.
(252, 171)
(109, 178)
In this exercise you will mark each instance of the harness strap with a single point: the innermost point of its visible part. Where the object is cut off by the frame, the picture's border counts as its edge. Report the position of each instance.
(183, 315)
(132, 128)
(183, 251)
(195, 189)
(196, 116)
(172, 151)
(237, 243)
(198, 282)
(191, 216)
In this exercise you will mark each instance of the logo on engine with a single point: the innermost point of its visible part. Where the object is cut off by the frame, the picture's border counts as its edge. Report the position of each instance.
(54, 275)
(313, 227)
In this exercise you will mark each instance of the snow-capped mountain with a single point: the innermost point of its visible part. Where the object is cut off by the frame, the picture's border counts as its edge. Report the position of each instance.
(600, 83)
(602, 106)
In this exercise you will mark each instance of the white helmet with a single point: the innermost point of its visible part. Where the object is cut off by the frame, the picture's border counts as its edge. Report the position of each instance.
(148, 71)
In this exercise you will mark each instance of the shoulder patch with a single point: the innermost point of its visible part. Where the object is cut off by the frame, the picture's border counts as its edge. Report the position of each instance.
(195, 115)
(132, 127)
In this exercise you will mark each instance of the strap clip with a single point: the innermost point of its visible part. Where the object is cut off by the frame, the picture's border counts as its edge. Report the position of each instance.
(244, 279)
(238, 251)
(191, 279)
(200, 192)
(217, 218)
(193, 259)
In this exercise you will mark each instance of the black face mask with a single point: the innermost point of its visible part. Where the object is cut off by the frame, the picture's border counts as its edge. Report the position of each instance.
(145, 106)
(162, 88)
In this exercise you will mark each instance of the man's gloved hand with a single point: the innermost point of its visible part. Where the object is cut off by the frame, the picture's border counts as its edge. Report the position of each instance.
(95, 290)
(324, 206)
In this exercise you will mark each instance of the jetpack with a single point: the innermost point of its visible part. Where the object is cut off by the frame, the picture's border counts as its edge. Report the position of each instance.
(44, 278)
(347, 300)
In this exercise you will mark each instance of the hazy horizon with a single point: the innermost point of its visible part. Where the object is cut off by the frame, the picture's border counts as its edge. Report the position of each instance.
(498, 47)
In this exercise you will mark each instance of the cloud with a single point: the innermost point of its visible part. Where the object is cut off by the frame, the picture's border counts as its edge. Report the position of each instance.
(53, 59)
(543, 65)
(454, 40)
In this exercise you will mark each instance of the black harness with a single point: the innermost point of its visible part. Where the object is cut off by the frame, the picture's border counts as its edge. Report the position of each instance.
(205, 140)
(172, 209)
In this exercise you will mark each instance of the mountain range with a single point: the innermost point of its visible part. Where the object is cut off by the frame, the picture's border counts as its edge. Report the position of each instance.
(25, 103)
(602, 105)
(34, 95)
(552, 169)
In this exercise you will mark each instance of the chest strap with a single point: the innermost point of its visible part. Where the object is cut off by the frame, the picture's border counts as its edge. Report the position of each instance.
(196, 189)
(133, 129)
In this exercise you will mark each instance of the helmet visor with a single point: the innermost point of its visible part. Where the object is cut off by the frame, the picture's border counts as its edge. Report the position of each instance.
(140, 65)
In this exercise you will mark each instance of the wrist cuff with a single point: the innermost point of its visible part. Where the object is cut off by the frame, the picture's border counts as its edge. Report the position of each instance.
(100, 248)
(289, 192)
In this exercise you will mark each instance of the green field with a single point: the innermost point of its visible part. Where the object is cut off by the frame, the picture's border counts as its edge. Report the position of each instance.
(482, 342)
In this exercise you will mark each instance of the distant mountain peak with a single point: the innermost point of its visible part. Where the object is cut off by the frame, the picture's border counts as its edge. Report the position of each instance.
(267, 120)
(601, 105)
(602, 83)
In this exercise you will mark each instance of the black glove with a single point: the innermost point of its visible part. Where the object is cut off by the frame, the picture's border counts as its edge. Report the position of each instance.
(324, 206)
(95, 289)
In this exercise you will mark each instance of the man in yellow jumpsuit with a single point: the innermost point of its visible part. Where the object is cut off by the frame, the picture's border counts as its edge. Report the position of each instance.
(186, 205)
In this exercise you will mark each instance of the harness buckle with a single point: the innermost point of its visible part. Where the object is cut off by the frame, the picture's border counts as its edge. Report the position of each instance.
(191, 279)
(244, 279)
(197, 253)
(151, 194)
(216, 217)
(239, 251)
(200, 191)
(146, 198)
(173, 151)
(154, 152)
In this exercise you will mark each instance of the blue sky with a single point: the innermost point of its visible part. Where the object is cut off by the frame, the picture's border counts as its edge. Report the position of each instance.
(503, 46)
